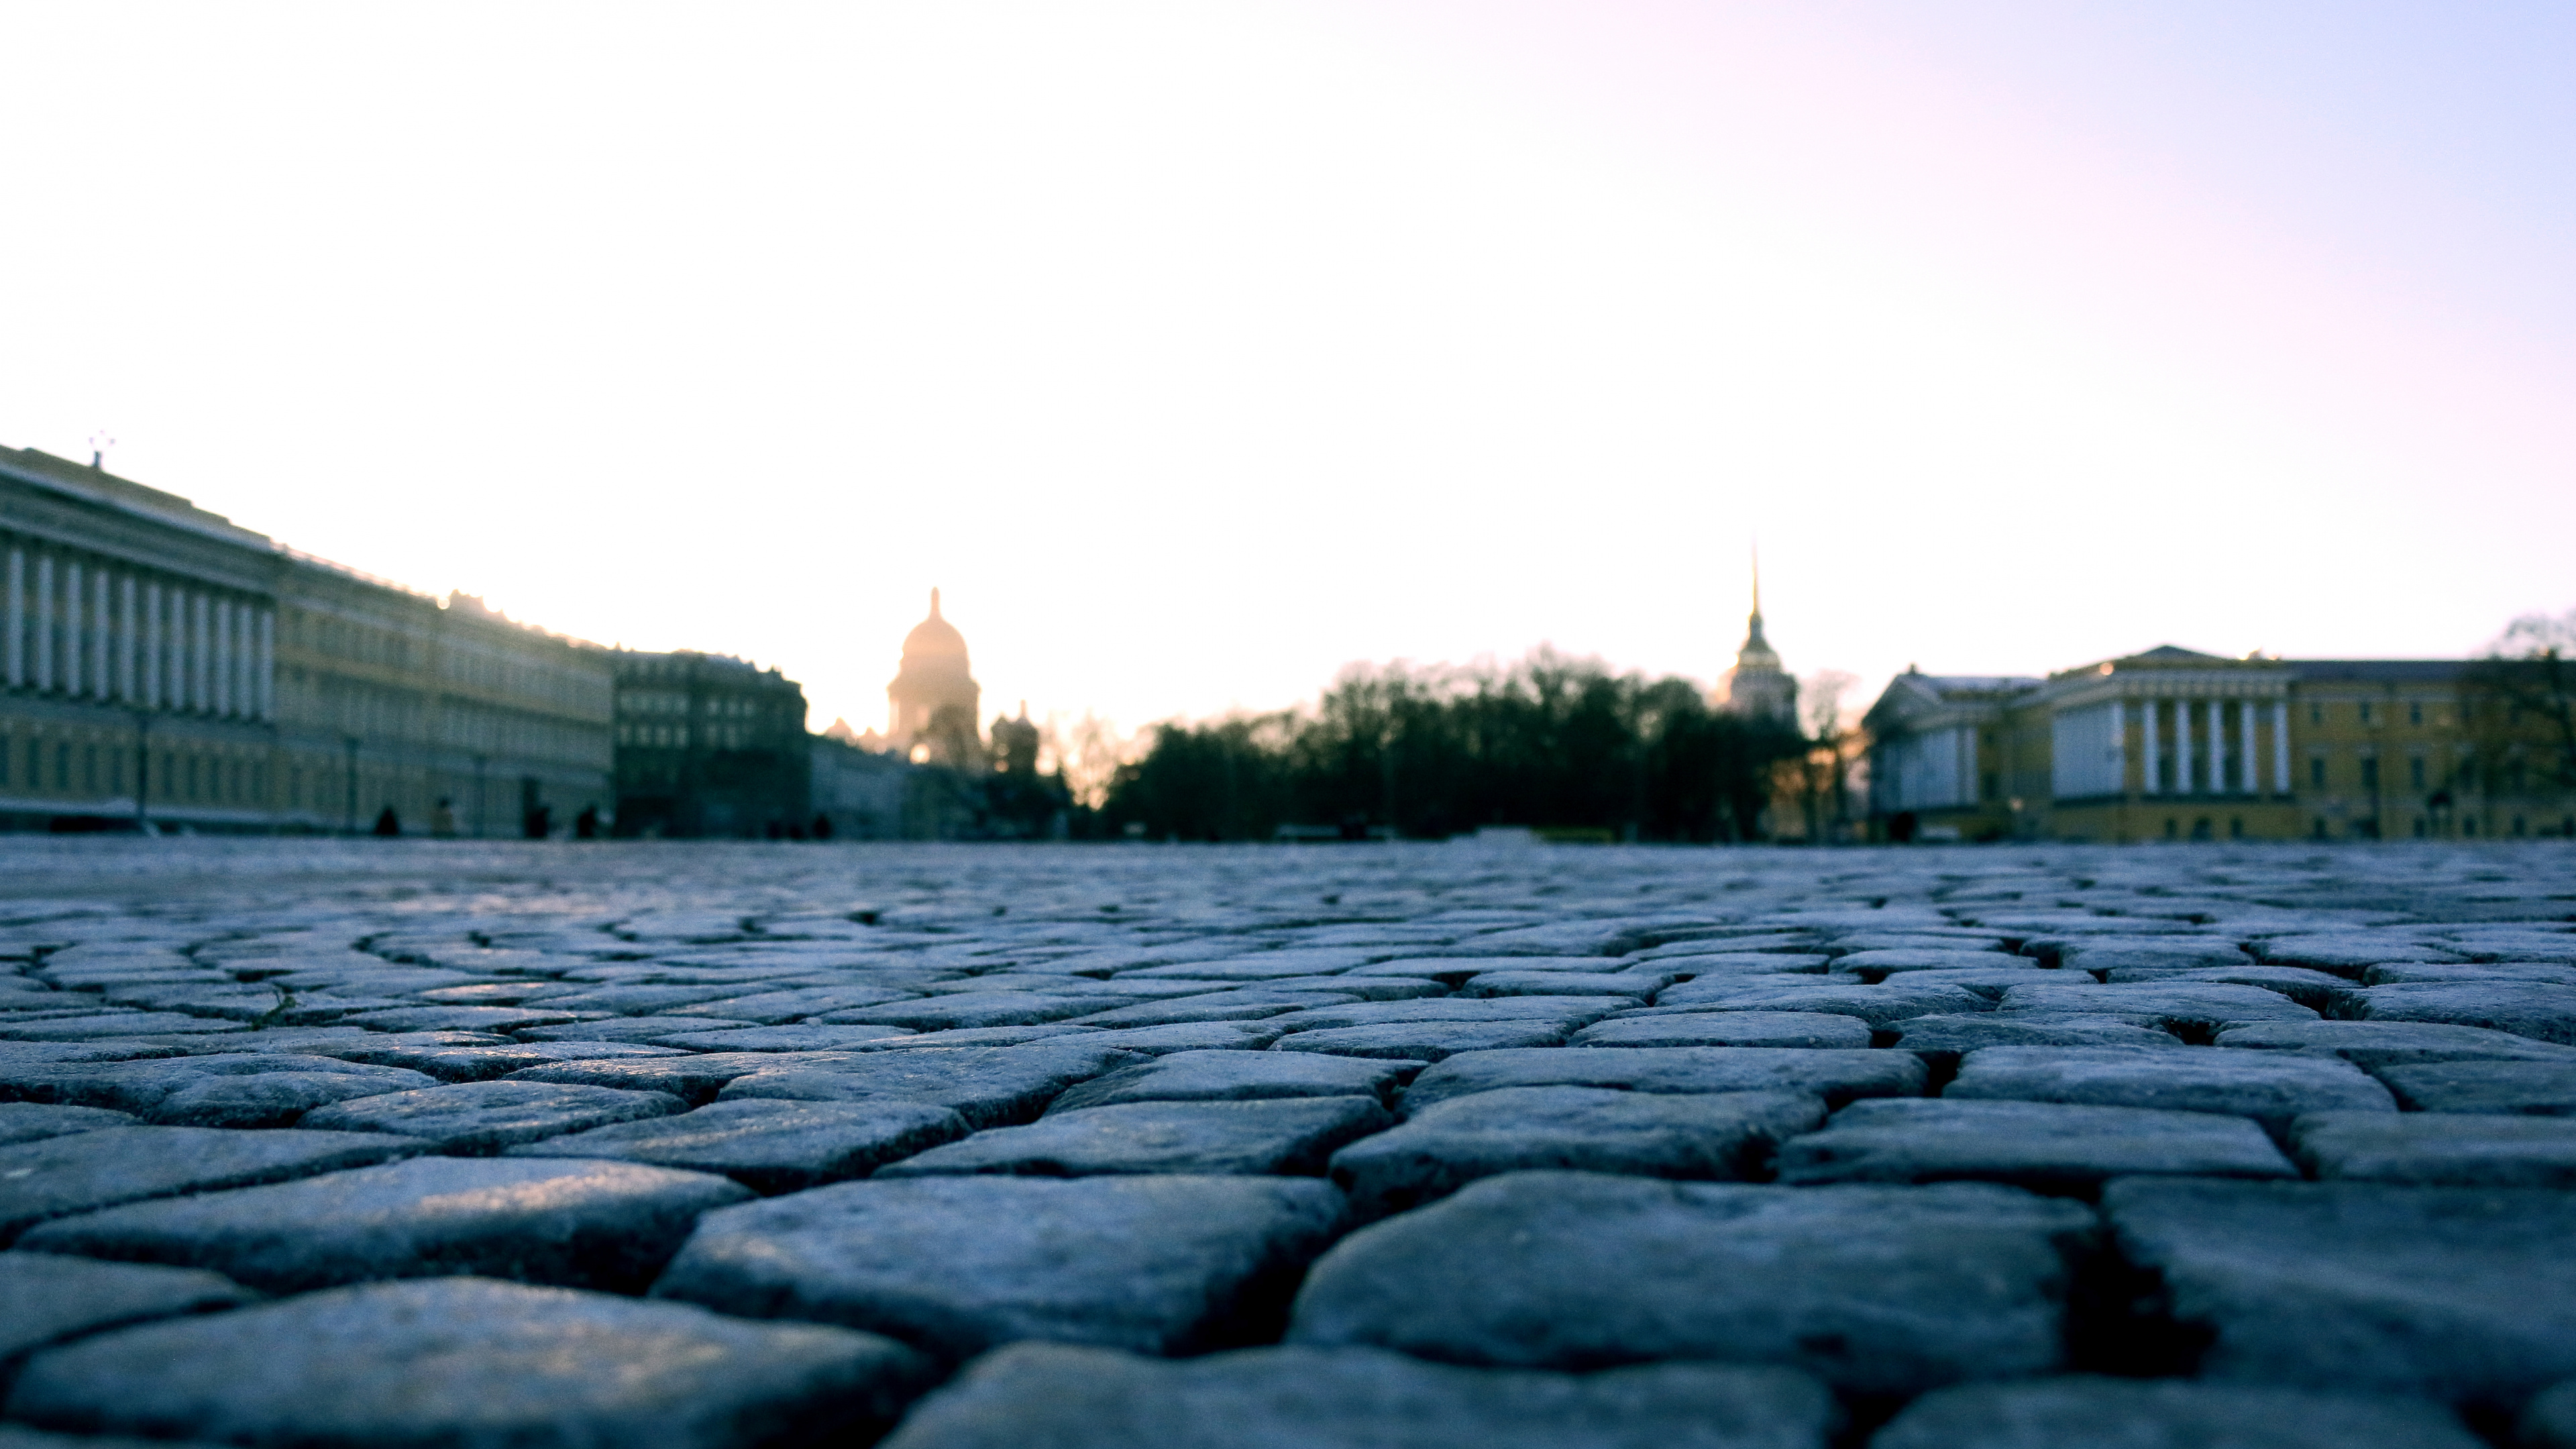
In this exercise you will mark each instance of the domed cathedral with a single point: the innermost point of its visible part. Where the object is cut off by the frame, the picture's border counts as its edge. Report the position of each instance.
(1757, 685)
(930, 707)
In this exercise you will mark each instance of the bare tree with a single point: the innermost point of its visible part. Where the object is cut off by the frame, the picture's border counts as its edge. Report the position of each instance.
(2520, 705)
(1821, 772)
(1087, 753)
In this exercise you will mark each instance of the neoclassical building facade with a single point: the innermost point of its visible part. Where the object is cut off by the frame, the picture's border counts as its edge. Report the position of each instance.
(2174, 744)
(161, 664)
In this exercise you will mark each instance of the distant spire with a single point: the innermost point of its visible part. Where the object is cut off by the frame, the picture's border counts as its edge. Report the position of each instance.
(934, 603)
(1753, 626)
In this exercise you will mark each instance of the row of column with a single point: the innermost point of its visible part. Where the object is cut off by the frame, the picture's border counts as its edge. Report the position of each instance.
(2248, 766)
(98, 633)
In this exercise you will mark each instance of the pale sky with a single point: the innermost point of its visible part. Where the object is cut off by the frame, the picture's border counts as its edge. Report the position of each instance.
(1197, 349)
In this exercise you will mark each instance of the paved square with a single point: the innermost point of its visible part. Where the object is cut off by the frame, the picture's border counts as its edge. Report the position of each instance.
(359, 1142)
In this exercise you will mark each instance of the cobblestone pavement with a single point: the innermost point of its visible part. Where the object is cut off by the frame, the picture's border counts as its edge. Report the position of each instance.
(420, 1143)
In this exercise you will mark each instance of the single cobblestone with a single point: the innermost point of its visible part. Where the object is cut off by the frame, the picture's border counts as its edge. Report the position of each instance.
(578, 1223)
(2078, 1410)
(1298, 1398)
(1876, 1290)
(474, 1364)
(955, 1265)
(45, 1299)
(2457, 1294)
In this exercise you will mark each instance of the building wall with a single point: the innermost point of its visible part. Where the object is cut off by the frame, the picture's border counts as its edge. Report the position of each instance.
(862, 794)
(709, 746)
(2177, 746)
(150, 647)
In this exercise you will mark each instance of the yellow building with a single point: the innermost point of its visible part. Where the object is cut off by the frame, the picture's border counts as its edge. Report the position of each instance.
(2172, 744)
(160, 664)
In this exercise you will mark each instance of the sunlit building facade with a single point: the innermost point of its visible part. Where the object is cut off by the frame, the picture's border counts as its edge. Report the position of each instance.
(2172, 744)
(162, 666)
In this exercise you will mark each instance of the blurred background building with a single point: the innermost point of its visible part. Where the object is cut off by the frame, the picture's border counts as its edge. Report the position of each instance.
(709, 746)
(1757, 686)
(931, 705)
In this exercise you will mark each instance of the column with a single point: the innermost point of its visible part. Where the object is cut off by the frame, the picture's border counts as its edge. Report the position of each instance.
(201, 652)
(16, 612)
(2182, 747)
(183, 649)
(100, 683)
(44, 621)
(74, 654)
(220, 611)
(2148, 713)
(2219, 749)
(267, 679)
(2252, 775)
(147, 651)
(2119, 761)
(128, 684)
(2280, 747)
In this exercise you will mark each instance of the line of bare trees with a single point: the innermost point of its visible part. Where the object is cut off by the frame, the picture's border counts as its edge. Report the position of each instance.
(1433, 751)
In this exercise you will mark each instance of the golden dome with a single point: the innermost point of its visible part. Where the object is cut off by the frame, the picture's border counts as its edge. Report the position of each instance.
(934, 638)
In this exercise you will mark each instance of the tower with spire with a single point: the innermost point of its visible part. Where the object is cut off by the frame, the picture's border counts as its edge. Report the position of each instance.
(1757, 686)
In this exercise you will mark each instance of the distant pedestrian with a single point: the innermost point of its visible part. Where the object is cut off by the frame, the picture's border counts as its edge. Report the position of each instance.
(585, 826)
(387, 824)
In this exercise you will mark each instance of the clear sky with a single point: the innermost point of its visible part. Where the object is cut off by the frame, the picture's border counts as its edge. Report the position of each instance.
(1197, 349)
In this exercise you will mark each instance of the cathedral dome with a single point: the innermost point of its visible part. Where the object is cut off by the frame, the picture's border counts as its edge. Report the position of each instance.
(934, 638)
(933, 682)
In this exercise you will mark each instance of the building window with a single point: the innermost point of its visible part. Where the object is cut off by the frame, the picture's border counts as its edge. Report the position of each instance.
(2317, 772)
(2236, 827)
(2415, 773)
(2468, 825)
(89, 769)
(2316, 714)
(2365, 711)
(2370, 774)
(63, 766)
(2414, 714)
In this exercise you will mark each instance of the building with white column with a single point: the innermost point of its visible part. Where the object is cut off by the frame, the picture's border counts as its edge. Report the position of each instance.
(160, 664)
(2173, 744)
